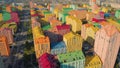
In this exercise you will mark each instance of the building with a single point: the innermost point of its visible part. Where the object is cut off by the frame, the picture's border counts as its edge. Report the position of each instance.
(55, 22)
(71, 60)
(58, 48)
(107, 45)
(73, 42)
(75, 23)
(80, 14)
(115, 23)
(41, 45)
(89, 16)
(4, 47)
(37, 32)
(62, 29)
(83, 30)
(93, 62)
(8, 33)
(47, 61)
(91, 32)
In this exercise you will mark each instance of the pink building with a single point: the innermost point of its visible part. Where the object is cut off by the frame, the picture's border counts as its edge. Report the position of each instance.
(7, 33)
(14, 17)
(63, 29)
(47, 61)
(107, 43)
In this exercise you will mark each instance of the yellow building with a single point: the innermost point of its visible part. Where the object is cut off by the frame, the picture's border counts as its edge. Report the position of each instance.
(74, 22)
(37, 32)
(56, 12)
(1, 17)
(104, 9)
(93, 62)
(91, 32)
(73, 42)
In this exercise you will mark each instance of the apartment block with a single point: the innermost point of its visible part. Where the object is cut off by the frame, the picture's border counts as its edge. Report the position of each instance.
(73, 41)
(74, 59)
(41, 45)
(4, 47)
(107, 45)
(75, 23)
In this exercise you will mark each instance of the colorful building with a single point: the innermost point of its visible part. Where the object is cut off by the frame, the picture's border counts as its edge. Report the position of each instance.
(74, 59)
(75, 23)
(93, 62)
(58, 48)
(89, 16)
(8, 33)
(83, 30)
(80, 14)
(73, 42)
(4, 47)
(91, 32)
(107, 45)
(62, 29)
(41, 45)
(55, 22)
(47, 61)
(115, 23)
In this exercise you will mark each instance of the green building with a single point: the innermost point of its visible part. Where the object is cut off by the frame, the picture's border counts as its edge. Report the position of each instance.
(72, 60)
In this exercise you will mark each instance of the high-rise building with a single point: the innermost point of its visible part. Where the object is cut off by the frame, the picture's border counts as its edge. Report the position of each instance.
(41, 45)
(4, 47)
(8, 33)
(107, 45)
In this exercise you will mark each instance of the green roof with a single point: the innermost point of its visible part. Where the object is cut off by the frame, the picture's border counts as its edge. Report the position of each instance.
(6, 16)
(46, 27)
(71, 56)
(47, 12)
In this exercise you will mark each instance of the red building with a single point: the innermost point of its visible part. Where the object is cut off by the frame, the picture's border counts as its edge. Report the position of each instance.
(63, 29)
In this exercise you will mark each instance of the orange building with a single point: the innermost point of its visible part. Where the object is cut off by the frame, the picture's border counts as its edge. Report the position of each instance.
(4, 47)
(107, 43)
(8, 8)
(81, 14)
(41, 45)
(8, 33)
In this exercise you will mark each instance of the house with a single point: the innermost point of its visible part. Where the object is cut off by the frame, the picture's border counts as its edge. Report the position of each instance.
(62, 29)
(73, 41)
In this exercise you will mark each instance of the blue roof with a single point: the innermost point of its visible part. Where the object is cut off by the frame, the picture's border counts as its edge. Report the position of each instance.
(58, 45)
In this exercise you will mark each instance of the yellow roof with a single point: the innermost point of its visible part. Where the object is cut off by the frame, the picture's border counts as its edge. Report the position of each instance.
(70, 35)
(92, 59)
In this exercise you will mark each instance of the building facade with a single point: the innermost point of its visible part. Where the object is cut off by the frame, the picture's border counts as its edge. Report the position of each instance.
(41, 45)
(73, 42)
(4, 47)
(107, 45)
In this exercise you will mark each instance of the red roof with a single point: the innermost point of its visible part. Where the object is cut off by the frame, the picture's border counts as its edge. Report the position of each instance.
(62, 27)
